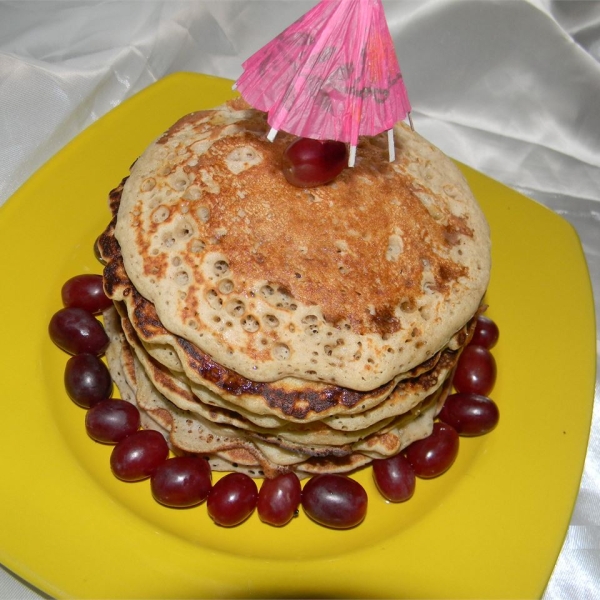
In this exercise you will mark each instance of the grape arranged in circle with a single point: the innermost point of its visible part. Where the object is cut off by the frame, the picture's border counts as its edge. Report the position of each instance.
(85, 291)
(335, 501)
(332, 500)
(470, 414)
(279, 499)
(475, 371)
(434, 455)
(76, 331)
(87, 380)
(232, 499)
(395, 478)
(181, 481)
(111, 421)
(486, 333)
(138, 455)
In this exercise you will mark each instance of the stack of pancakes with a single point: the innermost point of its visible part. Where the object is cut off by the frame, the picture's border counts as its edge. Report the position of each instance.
(272, 328)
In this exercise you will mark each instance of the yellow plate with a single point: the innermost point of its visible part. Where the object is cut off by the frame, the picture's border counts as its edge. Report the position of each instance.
(490, 527)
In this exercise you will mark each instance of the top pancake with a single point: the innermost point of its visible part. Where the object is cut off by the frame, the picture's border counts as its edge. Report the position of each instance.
(350, 283)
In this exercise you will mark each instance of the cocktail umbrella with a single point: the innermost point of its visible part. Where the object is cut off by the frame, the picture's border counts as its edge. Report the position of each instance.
(331, 75)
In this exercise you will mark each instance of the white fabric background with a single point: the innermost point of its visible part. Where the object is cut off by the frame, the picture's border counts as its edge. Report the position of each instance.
(509, 87)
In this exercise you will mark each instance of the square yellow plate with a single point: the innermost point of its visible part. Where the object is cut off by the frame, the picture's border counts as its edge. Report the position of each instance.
(490, 527)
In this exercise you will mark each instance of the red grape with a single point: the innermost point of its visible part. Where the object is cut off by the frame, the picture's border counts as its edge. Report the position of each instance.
(395, 478)
(279, 498)
(475, 371)
(232, 499)
(470, 414)
(181, 481)
(435, 454)
(111, 421)
(486, 333)
(87, 380)
(138, 455)
(76, 331)
(335, 501)
(308, 162)
(85, 291)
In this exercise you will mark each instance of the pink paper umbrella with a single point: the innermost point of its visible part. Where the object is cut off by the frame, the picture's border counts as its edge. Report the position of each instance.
(331, 75)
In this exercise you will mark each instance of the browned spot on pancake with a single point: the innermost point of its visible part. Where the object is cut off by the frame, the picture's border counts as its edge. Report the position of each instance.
(292, 404)
(335, 464)
(385, 320)
(389, 441)
(455, 229)
(162, 416)
(114, 197)
(430, 378)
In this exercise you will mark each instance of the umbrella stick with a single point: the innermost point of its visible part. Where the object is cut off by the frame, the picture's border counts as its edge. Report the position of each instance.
(352, 156)
(391, 146)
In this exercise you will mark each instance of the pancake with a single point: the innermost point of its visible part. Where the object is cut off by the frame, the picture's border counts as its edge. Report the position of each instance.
(185, 394)
(289, 398)
(270, 328)
(266, 453)
(342, 430)
(351, 283)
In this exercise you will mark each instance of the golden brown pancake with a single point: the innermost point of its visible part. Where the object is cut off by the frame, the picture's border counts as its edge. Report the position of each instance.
(350, 283)
(265, 453)
(289, 398)
(272, 328)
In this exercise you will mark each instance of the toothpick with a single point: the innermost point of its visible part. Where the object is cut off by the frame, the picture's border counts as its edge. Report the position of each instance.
(352, 157)
(391, 146)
